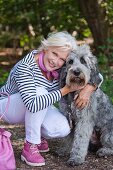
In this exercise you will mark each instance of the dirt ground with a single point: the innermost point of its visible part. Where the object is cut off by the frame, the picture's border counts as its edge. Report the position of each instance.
(53, 162)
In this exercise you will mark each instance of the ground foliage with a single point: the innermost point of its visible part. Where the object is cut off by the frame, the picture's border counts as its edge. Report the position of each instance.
(53, 161)
(23, 23)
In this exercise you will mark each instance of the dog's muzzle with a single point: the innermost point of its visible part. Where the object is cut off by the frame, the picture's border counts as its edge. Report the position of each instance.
(75, 77)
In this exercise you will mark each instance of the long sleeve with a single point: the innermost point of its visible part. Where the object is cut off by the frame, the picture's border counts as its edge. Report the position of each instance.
(26, 87)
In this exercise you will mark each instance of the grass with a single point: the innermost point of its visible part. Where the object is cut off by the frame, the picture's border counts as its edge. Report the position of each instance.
(107, 85)
(3, 76)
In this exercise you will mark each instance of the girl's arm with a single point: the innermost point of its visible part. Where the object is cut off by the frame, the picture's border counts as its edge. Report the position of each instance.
(27, 89)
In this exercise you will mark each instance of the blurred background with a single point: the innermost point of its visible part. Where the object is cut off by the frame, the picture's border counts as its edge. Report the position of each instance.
(23, 23)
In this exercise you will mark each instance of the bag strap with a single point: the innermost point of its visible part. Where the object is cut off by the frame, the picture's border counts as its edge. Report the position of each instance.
(5, 133)
(7, 105)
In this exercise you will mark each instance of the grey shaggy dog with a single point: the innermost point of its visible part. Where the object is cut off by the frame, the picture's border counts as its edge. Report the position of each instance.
(80, 69)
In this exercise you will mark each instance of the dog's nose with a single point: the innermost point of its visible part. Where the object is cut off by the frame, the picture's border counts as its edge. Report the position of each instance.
(76, 72)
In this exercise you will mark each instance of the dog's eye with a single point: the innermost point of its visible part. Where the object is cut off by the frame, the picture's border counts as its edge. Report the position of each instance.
(71, 61)
(82, 60)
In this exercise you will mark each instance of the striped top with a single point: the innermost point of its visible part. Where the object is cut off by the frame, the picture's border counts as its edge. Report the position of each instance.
(24, 78)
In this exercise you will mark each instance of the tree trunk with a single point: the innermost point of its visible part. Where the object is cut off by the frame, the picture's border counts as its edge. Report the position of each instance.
(43, 14)
(95, 16)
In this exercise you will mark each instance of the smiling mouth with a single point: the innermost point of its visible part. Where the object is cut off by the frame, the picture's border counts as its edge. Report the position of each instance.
(51, 64)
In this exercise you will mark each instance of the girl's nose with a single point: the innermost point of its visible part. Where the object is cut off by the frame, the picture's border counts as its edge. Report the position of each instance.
(56, 61)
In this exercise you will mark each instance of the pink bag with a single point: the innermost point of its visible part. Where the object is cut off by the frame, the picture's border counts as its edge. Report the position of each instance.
(7, 159)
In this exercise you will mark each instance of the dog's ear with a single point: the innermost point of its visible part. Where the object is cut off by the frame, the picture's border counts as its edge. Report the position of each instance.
(95, 79)
(63, 73)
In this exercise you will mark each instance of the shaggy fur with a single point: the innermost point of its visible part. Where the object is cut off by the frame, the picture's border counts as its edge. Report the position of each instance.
(81, 68)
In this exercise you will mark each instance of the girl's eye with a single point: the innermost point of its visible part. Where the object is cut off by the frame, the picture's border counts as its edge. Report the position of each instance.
(82, 60)
(71, 61)
(55, 54)
(62, 60)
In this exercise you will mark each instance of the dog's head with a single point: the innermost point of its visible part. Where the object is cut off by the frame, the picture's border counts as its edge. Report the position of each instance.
(79, 67)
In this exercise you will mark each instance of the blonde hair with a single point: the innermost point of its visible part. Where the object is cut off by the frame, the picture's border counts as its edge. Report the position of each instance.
(63, 40)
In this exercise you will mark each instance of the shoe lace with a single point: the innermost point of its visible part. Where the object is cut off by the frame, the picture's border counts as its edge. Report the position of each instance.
(34, 149)
(43, 141)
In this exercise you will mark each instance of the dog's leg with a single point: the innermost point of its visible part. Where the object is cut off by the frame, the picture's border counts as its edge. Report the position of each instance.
(82, 135)
(106, 140)
(66, 145)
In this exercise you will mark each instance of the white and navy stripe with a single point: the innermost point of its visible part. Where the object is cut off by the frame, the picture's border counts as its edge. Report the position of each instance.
(24, 78)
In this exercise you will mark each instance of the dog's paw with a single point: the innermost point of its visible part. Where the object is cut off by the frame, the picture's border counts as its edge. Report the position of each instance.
(102, 152)
(75, 162)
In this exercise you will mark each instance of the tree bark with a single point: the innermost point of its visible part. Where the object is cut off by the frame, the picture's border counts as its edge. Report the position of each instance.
(95, 16)
(43, 14)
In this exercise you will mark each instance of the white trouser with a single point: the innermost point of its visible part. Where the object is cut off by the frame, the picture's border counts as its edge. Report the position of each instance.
(49, 122)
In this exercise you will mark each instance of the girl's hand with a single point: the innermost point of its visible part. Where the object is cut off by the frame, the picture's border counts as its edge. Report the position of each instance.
(82, 99)
(75, 88)
(66, 89)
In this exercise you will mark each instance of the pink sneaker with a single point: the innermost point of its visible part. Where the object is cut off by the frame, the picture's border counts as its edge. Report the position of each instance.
(43, 147)
(31, 155)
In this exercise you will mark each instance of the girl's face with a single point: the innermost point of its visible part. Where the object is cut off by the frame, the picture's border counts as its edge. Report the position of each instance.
(54, 58)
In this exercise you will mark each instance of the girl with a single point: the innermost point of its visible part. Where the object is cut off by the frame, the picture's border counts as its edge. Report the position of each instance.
(33, 86)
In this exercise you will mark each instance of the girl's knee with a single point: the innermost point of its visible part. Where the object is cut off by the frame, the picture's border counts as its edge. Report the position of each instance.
(56, 131)
(64, 131)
